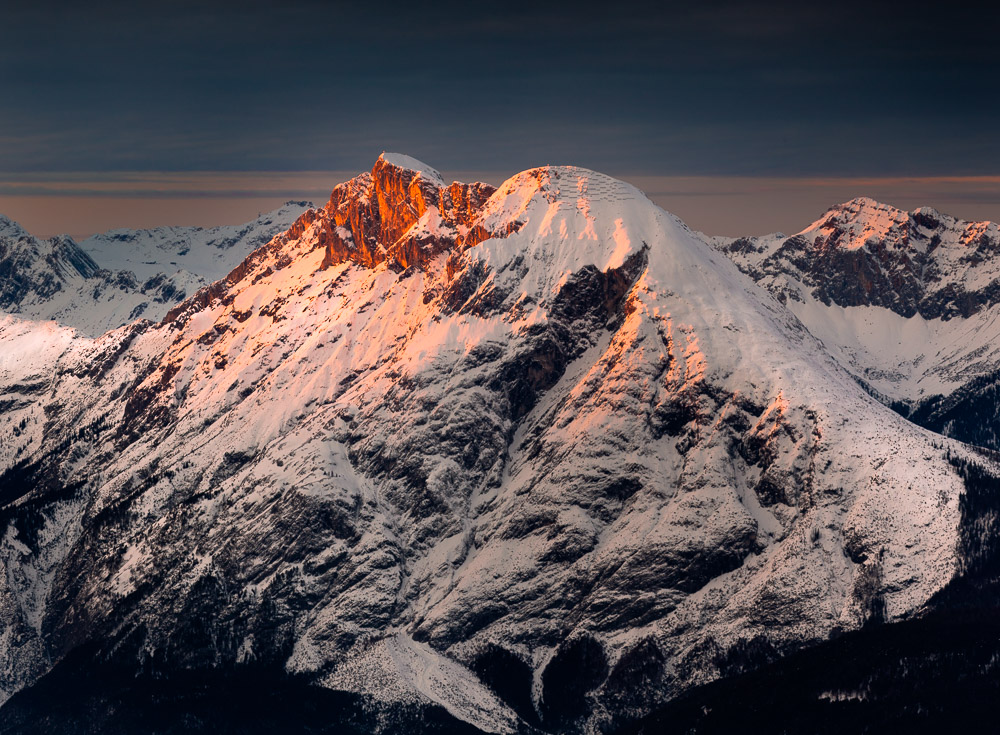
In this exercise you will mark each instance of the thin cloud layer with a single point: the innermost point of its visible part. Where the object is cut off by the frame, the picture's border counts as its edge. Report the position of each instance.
(81, 204)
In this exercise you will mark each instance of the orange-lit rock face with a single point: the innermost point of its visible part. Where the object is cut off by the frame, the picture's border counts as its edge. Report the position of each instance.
(397, 214)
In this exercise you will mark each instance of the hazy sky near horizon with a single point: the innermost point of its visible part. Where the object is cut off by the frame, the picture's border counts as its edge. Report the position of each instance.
(83, 204)
(749, 105)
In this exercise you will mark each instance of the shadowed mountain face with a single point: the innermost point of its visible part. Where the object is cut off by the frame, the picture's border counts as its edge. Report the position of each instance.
(86, 695)
(924, 676)
(532, 457)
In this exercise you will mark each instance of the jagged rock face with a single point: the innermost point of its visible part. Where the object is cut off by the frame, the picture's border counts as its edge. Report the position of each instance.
(565, 450)
(375, 216)
(864, 253)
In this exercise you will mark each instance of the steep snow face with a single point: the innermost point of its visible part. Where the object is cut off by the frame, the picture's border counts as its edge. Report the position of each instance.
(435, 432)
(115, 278)
(907, 301)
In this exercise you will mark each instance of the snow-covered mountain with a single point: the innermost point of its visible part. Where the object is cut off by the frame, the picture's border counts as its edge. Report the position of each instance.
(908, 301)
(111, 279)
(532, 458)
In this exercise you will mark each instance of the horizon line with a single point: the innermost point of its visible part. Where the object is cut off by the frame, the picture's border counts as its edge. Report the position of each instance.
(84, 203)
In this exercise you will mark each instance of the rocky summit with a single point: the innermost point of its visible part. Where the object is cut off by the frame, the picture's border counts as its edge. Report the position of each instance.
(444, 458)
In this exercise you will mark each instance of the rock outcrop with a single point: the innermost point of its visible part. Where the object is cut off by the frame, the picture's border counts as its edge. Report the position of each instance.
(397, 213)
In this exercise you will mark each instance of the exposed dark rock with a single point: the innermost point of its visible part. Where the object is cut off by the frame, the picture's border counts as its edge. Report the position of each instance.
(510, 677)
(82, 696)
(578, 667)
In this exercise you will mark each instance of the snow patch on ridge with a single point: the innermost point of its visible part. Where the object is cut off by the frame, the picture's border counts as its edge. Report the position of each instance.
(401, 670)
(412, 164)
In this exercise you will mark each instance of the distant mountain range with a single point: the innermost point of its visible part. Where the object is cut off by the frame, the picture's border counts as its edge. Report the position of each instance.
(448, 458)
(111, 279)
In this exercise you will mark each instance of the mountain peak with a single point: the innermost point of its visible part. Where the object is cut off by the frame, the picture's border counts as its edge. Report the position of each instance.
(865, 202)
(868, 253)
(407, 163)
(10, 228)
(930, 212)
(401, 211)
(863, 220)
(486, 396)
(858, 219)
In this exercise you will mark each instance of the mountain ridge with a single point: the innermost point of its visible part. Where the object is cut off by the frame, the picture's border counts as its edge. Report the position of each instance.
(910, 262)
(549, 432)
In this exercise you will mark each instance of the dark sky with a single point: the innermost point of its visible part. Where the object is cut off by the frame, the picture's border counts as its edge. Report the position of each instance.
(700, 89)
